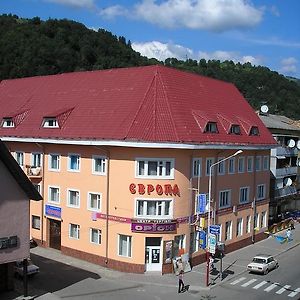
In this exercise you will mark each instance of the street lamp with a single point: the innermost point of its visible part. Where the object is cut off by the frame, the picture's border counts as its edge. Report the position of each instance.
(209, 209)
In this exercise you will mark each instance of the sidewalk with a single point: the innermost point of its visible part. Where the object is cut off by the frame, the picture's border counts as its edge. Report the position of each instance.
(234, 264)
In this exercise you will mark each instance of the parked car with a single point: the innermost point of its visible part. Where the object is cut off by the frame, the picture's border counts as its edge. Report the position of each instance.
(262, 263)
(32, 269)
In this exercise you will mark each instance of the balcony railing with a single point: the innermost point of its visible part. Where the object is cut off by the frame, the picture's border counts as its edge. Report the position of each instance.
(286, 171)
(285, 151)
(34, 171)
(286, 191)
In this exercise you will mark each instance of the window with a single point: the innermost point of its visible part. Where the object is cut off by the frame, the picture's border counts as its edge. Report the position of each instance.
(94, 201)
(254, 130)
(50, 123)
(256, 221)
(179, 245)
(124, 245)
(248, 224)
(20, 158)
(54, 194)
(74, 230)
(244, 194)
(95, 236)
(224, 198)
(74, 162)
(54, 162)
(231, 165)
(99, 165)
(194, 241)
(36, 222)
(36, 160)
(266, 163)
(241, 164)
(235, 129)
(8, 122)
(258, 163)
(239, 227)
(154, 208)
(73, 198)
(209, 162)
(197, 167)
(37, 187)
(228, 230)
(155, 168)
(221, 166)
(211, 127)
(263, 220)
(261, 189)
(250, 164)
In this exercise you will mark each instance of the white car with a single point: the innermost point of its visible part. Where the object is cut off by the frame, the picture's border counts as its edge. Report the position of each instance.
(262, 263)
(32, 269)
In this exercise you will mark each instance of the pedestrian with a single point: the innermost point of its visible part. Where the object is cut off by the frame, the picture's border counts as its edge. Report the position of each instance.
(180, 282)
(289, 235)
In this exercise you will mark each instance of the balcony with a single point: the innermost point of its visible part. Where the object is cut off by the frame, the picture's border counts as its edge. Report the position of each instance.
(287, 171)
(286, 191)
(33, 172)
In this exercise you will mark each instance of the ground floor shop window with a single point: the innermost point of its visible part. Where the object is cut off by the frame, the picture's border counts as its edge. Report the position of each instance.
(124, 245)
(179, 245)
(228, 230)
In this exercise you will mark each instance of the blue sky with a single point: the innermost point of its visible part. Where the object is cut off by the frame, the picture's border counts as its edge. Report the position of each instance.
(265, 32)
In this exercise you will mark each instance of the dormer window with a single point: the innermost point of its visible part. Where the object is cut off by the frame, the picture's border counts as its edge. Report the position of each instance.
(211, 127)
(50, 123)
(8, 123)
(235, 129)
(254, 130)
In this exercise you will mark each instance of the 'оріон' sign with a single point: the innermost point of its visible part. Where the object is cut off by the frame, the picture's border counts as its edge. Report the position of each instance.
(153, 227)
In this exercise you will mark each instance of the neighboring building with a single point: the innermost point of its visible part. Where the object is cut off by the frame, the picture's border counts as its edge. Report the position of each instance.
(15, 192)
(285, 165)
(118, 154)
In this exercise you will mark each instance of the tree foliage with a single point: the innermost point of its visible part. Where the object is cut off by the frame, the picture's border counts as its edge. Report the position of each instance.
(31, 47)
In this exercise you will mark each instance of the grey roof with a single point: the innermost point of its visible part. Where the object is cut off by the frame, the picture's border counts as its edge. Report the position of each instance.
(18, 174)
(279, 122)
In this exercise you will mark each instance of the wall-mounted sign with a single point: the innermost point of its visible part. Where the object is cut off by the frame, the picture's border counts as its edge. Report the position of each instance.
(201, 203)
(166, 189)
(214, 229)
(53, 211)
(9, 242)
(153, 227)
(202, 239)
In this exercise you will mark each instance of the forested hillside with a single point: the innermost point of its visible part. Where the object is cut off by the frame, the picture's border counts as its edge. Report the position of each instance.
(30, 47)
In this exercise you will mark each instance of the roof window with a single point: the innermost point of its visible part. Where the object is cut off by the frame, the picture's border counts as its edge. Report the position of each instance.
(235, 129)
(50, 123)
(211, 127)
(254, 130)
(7, 123)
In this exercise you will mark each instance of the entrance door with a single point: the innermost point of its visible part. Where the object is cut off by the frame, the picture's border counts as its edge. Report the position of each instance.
(55, 234)
(153, 254)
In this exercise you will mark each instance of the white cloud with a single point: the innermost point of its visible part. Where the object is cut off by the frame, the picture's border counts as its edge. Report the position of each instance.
(75, 3)
(162, 51)
(289, 65)
(213, 15)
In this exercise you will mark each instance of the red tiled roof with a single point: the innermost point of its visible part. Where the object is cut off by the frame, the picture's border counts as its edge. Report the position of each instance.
(148, 104)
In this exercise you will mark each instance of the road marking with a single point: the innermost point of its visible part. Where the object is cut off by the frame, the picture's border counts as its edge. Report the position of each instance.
(238, 280)
(249, 282)
(260, 285)
(283, 289)
(294, 293)
(271, 287)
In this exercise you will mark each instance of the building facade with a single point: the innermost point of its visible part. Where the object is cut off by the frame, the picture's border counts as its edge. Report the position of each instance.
(121, 155)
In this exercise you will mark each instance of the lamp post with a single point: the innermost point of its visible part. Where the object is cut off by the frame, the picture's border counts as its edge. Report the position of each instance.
(209, 210)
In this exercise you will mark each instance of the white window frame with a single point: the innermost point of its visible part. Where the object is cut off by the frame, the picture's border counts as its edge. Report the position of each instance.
(221, 166)
(228, 231)
(50, 187)
(18, 155)
(51, 155)
(225, 192)
(161, 164)
(241, 164)
(258, 191)
(78, 162)
(145, 202)
(197, 167)
(239, 226)
(103, 165)
(256, 221)
(266, 163)
(33, 160)
(77, 205)
(35, 220)
(250, 165)
(50, 123)
(258, 163)
(128, 249)
(208, 163)
(248, 224)
(247, 189)
(98, 235)
(77, 231)
(8, 123)
(231, 162)
(263, 220)
(99, 201)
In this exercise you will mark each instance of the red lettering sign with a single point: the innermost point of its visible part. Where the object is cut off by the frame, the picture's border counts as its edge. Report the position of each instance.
(167, 189)
(132, 188)
(141, 189)
(150, 189)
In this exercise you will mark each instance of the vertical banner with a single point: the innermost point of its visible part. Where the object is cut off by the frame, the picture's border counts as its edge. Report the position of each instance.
(201, 203)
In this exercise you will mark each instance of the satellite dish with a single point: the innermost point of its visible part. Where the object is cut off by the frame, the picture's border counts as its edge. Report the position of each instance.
(287, 181)
(264, 109)
(291, 143)
(298, 144)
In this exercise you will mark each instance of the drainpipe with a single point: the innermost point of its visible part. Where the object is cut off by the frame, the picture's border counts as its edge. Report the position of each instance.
(254, 199)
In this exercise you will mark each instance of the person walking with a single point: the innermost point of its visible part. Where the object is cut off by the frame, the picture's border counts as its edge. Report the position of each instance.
(180, 282)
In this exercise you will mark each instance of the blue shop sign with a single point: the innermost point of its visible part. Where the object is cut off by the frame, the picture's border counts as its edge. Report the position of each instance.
(53, 211)
(202, 239)
(214, 229)
(201, 203)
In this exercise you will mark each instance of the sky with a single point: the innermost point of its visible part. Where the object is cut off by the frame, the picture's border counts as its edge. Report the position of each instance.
(265, 32)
